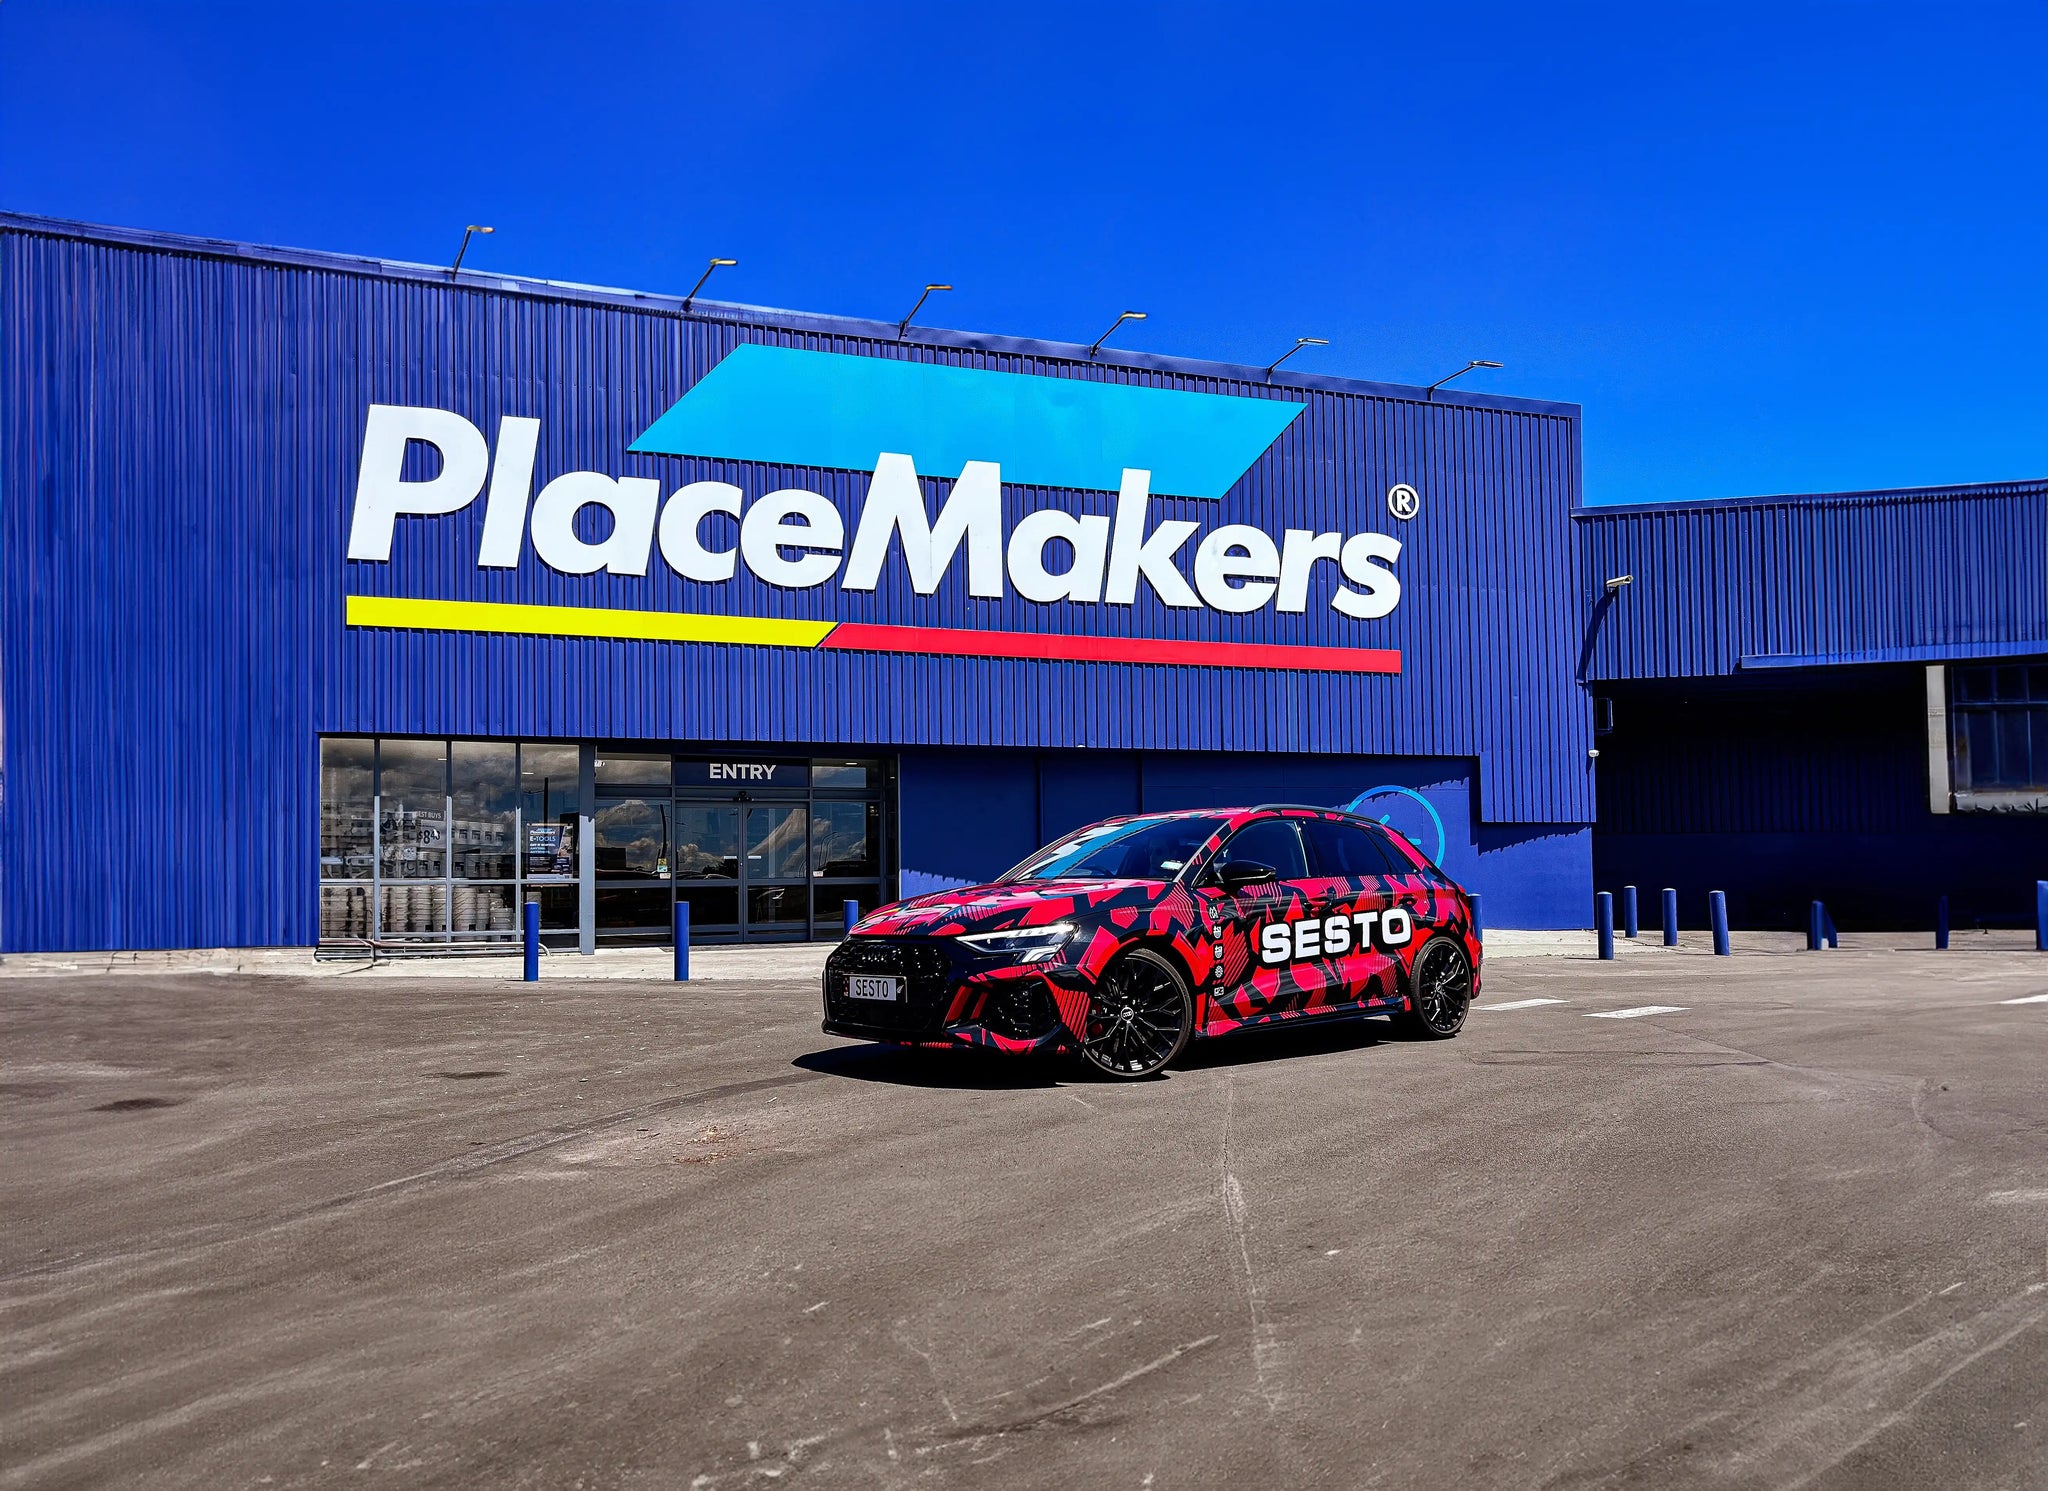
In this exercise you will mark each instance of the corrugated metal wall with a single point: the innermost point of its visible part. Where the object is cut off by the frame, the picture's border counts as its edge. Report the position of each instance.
(1923, 574)
(180, 424)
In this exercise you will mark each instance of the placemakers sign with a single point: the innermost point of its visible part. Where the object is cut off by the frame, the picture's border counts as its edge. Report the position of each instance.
(788, 407)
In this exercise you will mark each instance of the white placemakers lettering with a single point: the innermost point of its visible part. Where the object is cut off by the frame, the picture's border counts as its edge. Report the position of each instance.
(796, 539)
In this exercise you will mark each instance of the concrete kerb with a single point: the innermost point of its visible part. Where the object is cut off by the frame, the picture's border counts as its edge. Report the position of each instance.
(782, 962)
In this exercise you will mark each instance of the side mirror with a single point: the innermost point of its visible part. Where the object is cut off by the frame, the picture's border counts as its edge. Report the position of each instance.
(1244, 873)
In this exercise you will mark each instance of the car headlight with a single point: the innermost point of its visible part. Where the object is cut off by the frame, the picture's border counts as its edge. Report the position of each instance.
(1026, 944)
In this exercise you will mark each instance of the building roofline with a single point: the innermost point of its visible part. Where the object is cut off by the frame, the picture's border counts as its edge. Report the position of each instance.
(703, 309)
(1881, 495)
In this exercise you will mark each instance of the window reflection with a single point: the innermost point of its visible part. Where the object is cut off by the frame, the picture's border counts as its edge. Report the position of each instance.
(844, 836)
(484, 778)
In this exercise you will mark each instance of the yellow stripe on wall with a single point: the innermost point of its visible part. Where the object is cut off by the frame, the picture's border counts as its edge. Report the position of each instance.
(582, 621)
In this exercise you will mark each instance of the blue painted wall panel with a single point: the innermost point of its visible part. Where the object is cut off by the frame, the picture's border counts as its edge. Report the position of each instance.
(180, 427)
(969, 815)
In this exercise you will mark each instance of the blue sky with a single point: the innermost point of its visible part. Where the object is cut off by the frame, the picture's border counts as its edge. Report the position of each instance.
(1788, 248)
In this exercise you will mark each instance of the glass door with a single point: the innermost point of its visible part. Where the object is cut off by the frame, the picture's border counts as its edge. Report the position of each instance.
(707, 866)
(777, 872)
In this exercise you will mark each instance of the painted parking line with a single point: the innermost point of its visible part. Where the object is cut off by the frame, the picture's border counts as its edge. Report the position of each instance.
(1637, 1013)
(2027, 999)
(1517, 1004)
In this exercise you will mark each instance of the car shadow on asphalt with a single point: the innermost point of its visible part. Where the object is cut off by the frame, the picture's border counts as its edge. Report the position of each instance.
(990, 1071)
(1287, 1042)
(901, 1066)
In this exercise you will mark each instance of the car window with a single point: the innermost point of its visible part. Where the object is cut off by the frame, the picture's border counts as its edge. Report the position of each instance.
(1270, 841)
(1352, 850)
(1145, 849)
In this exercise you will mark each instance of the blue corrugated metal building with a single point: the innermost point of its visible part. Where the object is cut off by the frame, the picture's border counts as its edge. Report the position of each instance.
(1839, 697)
(347, 599)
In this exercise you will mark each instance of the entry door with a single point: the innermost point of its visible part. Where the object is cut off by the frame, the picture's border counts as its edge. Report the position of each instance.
(775, 885)
(708, 865)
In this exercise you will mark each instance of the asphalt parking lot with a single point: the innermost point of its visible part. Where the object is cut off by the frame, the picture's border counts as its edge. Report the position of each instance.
(1791, 1231)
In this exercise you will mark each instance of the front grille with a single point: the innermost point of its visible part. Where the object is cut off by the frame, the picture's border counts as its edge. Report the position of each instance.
(924, 964)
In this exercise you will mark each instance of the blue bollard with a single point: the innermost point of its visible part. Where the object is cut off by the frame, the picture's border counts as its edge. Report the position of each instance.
(851, 912)
(682, 942)
(1827, 927)
(1717, 912)
(1941, 924)
(533, 942)
(1628, 911)
(1478, 924)
(1603, 922)
(1815, 915)
(2041, 916)
(1670, 917)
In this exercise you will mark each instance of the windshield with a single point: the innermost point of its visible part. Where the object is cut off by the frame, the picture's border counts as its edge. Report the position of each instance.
(1141, 849)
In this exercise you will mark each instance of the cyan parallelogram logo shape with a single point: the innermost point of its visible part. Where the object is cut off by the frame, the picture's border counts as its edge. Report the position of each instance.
(785, 406)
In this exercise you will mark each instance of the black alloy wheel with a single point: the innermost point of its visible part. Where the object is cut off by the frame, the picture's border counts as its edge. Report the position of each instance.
(1141, 1017)
(1439, 991)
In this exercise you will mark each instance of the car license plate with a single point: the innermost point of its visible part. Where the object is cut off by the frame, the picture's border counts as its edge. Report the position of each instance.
(864, 986)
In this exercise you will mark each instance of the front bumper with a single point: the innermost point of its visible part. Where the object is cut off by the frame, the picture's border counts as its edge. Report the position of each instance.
(952, 996)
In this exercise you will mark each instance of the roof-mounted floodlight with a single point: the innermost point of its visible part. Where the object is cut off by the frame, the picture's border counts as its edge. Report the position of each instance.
(1477, 362)
(1126, 316)
(904, 325)
(1618, 581)
(1299, 343)
(456, 267)
(713, 265)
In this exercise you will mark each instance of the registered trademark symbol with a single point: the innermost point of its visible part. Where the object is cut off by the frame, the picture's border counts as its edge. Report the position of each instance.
(1403, 501)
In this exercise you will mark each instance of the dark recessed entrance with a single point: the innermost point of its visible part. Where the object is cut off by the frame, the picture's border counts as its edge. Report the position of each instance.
(763, 848)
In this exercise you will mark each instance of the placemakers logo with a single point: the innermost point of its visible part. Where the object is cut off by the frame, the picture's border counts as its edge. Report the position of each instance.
(788, 407)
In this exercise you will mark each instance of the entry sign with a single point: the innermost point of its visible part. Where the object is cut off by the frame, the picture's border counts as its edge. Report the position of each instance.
(732, 771)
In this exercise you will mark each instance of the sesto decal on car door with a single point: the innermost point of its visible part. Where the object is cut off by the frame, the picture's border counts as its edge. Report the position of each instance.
(1251, 985)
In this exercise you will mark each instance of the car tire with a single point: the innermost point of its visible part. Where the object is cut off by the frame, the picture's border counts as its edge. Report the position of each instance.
(1439, 991)
(1140, 1018)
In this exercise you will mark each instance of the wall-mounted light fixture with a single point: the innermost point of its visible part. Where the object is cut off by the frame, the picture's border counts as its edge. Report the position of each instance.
(456, 267)
(715, 264)
(1618, 581)
(1126, 316)
(904, 324)
(1299, 343)
(1477, 362)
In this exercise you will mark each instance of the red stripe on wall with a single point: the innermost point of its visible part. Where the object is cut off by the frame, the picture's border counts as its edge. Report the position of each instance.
(859, 636)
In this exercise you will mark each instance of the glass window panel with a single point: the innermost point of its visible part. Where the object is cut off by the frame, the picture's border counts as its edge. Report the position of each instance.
(2037, 683)
(1973, 685)
(632, 838)
(846, 774)
(707, 842)
(845, 838)
(549, 792)
(557, 907)
(2012, 685)
(618, 770)
(776, 848)
(777, 908)
(620, 909)
(412, 778)
(414, 910)
(348, 808)
(1346, 850)
(485, 911)
(2012, 747)
(828, 903)
(1270, 841)
(713, 908)
(344, 912)
(1977, 760)
(484, 781)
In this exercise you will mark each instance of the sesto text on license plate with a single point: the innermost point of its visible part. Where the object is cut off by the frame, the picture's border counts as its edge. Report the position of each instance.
(868, 986)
